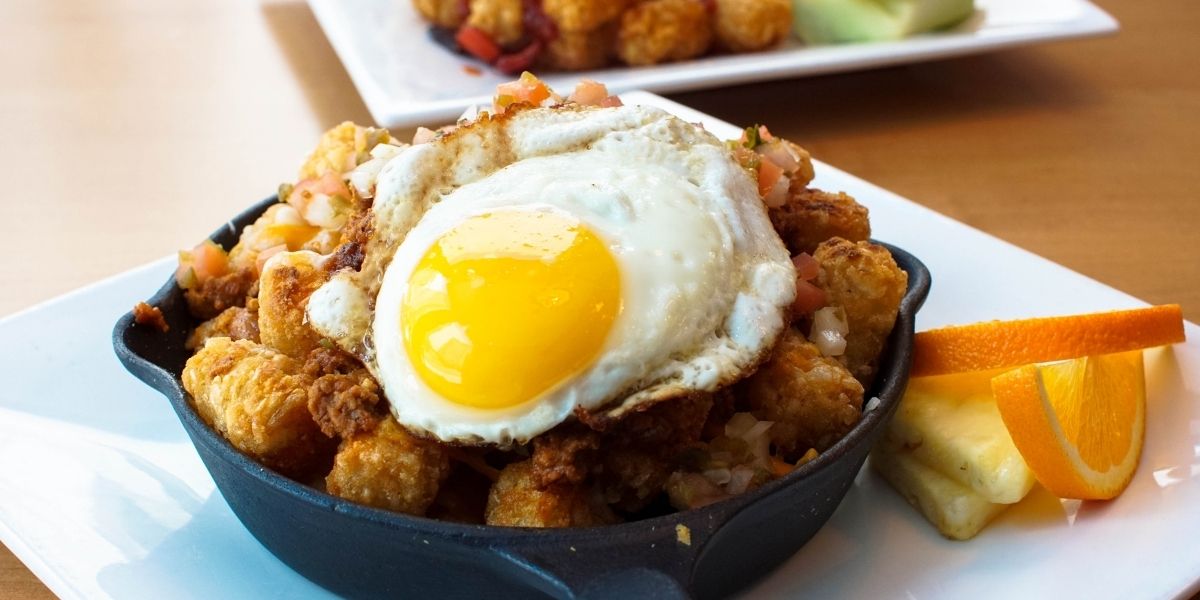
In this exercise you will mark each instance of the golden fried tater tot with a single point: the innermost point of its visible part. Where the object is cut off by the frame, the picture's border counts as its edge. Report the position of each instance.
(342, 148)
(502, 20)
(812, 399)
(258, 400)
(516, 500)
(749, 25)
(389, 468)
(236, 323)
(660, 31)
(582, 15)
(579, 50)
(810, 217)
(443, 13)
(288, 279)
(864, 280)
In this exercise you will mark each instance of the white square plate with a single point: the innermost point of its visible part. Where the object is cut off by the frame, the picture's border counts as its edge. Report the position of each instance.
(102, 495)
(407, 79)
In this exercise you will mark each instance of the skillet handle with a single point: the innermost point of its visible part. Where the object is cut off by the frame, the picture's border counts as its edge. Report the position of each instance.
(611, 575)
(642, 560)
(638, 582)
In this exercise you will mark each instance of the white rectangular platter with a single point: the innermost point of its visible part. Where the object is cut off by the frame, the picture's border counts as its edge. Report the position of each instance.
(102, 494)
(406, 79)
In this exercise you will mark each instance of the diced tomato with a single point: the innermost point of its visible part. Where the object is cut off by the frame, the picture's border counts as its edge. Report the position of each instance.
(808, 298)
(589, 93)
(611, 102)
(528, 89)
(205, 261)
(778, 152)
(477, 43)
(209, 260)
(807, 267)
(768, 174)
(329, 184)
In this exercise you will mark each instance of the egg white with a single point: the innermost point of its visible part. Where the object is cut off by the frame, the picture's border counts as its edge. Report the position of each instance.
(705, 279)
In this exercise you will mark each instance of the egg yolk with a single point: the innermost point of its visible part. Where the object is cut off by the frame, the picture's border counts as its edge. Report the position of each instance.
(508, 304)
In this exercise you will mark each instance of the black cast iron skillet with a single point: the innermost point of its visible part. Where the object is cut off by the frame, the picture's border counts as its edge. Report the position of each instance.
(358, 551)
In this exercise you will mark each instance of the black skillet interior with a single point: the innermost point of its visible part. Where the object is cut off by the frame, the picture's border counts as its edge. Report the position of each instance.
(358, 551)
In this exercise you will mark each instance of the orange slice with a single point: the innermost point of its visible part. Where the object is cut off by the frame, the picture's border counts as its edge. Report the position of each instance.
(997, 344)
(1079, 424)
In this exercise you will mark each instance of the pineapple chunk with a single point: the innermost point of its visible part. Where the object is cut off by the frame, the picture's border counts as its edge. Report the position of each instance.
(951, 424)
(956, 511)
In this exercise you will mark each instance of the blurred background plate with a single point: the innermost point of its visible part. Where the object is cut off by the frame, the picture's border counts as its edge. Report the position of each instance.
(406, 79)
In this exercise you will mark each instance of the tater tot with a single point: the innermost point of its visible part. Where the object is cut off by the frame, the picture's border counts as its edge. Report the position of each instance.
(288, 279)
(579, 50)
(389, 468)
(802, 176)
(749, 25)
(516, 500)
(864, 280)
(443, 13)
(810, 217)
(582, 15)
(236, 323)
(258, 400)
(502, 20)
(341, 148)
(813, 400)
(660, 31)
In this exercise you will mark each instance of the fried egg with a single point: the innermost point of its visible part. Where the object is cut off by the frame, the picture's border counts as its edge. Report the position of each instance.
(530, 266)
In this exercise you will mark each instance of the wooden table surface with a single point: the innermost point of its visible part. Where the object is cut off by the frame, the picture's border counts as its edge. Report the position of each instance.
(133, 126)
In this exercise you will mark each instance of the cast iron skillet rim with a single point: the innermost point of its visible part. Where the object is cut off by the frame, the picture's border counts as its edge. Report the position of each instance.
(914, 297)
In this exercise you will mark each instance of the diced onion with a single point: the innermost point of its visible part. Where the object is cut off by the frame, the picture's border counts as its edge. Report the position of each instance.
(779, 193)
(739, 479)
(288, 215)
(829, 330)
(322, 211)
(780, 153)
(717, 476)
(871, 404)
(739, 424)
